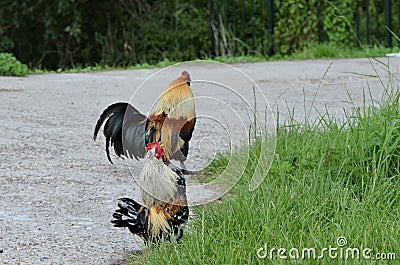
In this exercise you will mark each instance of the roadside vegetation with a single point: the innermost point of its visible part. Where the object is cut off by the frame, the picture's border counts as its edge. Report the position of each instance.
(10, 66)
(91, 35)
(333, 184)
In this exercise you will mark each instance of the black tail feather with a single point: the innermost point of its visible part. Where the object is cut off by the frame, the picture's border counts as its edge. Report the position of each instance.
(129, 205)
(131, 215)
(119, 134)
(135, 217)
(107, 113)
(114, 114)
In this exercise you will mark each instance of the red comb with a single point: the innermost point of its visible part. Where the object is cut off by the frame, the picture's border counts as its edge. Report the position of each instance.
(152, 145)
(159, 151)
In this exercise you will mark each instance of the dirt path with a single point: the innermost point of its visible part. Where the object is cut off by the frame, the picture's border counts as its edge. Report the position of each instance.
(57, 190)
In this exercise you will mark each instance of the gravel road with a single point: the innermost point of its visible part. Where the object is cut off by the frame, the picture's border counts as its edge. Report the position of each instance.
(57, 188)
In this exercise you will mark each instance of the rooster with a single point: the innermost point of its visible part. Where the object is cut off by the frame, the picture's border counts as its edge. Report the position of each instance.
(171, 123)
(164, 210)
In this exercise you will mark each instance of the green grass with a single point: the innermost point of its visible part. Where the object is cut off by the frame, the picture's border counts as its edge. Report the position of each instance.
(318, 51)
(329, 179)
(327, 50)
(10, 66)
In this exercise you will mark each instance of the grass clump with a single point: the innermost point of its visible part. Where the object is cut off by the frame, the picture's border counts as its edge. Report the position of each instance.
(331, 50)
(329, 179)
(10, 66)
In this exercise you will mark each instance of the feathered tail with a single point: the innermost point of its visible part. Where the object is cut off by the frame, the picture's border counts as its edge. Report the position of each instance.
(124, 128)
(151, 224)
(131, 215)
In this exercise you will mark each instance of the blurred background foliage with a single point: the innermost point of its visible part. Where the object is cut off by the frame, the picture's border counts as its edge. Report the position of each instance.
(70, 33)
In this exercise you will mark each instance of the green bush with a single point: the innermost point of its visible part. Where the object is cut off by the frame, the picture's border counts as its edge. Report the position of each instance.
(10, 66)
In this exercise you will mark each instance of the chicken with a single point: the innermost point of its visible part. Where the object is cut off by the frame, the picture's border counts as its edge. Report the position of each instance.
(164, 210)
(171, 123)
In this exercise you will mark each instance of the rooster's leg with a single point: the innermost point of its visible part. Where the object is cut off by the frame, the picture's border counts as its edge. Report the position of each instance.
(184, 170)
(183, 165)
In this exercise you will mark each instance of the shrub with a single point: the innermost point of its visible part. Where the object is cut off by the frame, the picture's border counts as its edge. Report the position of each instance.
(10, 66)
